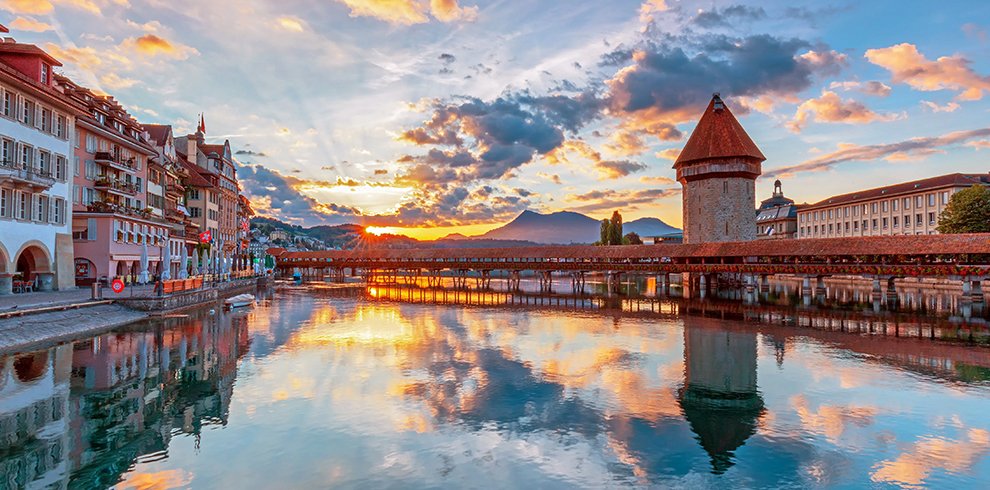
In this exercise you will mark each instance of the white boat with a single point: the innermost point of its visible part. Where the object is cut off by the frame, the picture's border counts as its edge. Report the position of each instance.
(239, 301)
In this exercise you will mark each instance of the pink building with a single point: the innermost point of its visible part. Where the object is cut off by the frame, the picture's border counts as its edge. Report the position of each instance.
(111, 222)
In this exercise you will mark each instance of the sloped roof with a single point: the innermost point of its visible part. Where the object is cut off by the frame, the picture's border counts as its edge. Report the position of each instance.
(194, 179)
(914, 186)
(157, 132)
(718, 135)
(28, 49)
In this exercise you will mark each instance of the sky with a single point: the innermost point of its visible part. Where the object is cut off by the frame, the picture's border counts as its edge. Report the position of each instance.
(430, 117)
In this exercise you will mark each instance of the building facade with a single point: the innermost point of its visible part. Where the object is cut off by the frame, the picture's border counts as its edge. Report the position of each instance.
(112, 224)
(776, 218)
(909, 208)
(213, 201)
(171, 175)
(717, 170)
(36, 124)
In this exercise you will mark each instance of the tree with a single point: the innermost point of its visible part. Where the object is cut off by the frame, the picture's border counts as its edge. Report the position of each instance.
(968, 211)
(606, 225)
(615, 229)
(632, 238)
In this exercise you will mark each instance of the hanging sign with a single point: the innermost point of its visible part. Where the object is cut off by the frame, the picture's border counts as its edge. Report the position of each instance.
(117, 286)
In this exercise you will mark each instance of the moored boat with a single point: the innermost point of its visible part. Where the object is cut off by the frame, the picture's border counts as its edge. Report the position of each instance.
(239, 301)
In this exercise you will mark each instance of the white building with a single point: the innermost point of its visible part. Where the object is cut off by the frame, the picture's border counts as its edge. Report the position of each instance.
(36, 123)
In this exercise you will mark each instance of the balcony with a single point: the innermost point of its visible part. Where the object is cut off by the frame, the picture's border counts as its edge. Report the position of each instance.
(115, 186)
(110, 160)
(104, 207)
(31, 177)
(175, 190)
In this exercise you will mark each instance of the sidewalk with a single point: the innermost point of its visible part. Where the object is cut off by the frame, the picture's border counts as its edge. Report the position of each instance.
(56, 298)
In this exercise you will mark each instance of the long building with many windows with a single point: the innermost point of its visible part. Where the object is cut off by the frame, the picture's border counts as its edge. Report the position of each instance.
(909, 208)
(36, 121)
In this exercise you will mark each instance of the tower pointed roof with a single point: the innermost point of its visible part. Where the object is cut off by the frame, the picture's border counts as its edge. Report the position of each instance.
(718, 135)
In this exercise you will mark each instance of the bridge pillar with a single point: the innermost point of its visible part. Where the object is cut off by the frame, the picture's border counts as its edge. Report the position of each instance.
(546, 281)
(820, 289)
(764, 283)
(977, 292)
(577, 282)
(806, 290)
(513, 281)
(749, 281)
(892, 299)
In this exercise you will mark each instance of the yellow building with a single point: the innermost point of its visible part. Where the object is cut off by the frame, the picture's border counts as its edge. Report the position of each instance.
(909, 208)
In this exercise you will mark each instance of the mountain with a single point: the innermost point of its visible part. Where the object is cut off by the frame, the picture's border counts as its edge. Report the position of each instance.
(566, 227)
(563, 227)
(649, 227)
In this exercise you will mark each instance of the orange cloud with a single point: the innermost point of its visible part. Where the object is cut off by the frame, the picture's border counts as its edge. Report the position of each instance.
(950, 107)
(669, 153)
(649, 9)
(979, 144)
(408, 12)
(607, 169)
(31, 7)
(832, 109)
(153, 45)
(912, 468)
(113, 81)
(85, 58)
(907, 65)
(291, 23)
(29, 24)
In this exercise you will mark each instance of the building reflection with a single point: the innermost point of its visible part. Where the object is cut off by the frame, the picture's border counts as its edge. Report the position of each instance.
(80, 415)
(720, 397)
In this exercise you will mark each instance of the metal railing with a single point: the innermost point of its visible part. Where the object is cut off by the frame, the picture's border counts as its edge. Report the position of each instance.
(28, 174)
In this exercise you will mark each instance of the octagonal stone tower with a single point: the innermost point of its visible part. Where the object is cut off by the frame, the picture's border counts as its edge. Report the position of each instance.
(717, 170)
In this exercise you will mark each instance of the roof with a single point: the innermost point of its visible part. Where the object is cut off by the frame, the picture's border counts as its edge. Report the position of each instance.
(3, 28)
(157, 132)
(718, 135)
(10, 47)
(931, 183)
(194, 179)
(776, 212)
(974, 243)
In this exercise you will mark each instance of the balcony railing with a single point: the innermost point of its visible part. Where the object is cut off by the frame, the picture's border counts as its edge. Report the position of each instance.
(107, 158)
(30, 176)
(111, 208)
(175, 189)
(118, 186)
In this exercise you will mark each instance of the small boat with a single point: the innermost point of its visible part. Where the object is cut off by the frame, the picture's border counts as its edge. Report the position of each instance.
(239, 301)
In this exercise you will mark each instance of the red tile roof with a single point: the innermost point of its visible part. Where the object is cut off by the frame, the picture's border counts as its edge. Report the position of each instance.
(195, 179)
(718, 135)
(931, 183)
(3, 28)
(975, 243)
(28, 49)
(157, 132)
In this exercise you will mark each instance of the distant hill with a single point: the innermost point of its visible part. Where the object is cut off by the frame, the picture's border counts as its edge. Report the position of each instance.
(649, 227)
(566, 227)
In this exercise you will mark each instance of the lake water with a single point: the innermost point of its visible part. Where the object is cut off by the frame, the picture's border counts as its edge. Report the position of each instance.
(381, 388)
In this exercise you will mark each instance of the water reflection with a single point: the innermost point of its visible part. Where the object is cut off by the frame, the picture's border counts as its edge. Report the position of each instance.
(338, 387)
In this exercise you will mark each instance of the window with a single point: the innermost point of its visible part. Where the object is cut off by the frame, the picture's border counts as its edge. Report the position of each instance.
(90, 143)
(894, 204)
(895, 222)
(41, 208)
(829, 214)
(885, 222)
(60, 167)
(45, 70)
(194, 212)
(45, 163)
(855, 225)
(22, 205)
(907, 203)
(46, 121)
(61, 128)
(8, 104)
(91, 169)
(27, 113)
(874, 223)
(830, 228)
(89, 197)
(58, 211)
(945, 197)
(931, 199)
(919, 219)
(194, 194)
(5, 203)
(918, 201)
(873, 208)
(931, 218)
(907, 220)
(847, 227)
(7, 152)
(27, 157)
(845, 212)
(883, 206)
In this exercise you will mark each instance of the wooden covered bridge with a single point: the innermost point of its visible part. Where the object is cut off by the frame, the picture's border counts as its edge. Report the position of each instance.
(964, 257)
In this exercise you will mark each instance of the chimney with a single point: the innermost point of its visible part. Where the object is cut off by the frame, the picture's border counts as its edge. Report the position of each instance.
(191, 144)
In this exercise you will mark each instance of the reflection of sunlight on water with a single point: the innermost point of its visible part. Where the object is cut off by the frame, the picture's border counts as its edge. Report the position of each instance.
(160, 480)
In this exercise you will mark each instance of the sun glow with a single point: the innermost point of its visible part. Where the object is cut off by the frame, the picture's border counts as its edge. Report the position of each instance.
(380, 230)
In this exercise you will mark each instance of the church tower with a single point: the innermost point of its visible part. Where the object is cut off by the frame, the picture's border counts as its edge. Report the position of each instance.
(717, 170)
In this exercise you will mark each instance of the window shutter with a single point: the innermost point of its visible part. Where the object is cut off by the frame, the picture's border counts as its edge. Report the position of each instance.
(91, 229)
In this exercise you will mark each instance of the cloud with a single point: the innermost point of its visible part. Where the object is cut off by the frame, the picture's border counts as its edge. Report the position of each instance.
(607, 169)
(949, 107)
(30, 24)
(604, 200)
(29, 7)
(727, 16)
(670, 78)
(650, 8)
(888, 151)
(907, 65)
(113, 81)
(657, 180)
(979, 144)
(290, 23)
(669, 153)
(871, 87)
(153, 45)
(251, 153)
(831, 108)
(975, 32)
(408, 12)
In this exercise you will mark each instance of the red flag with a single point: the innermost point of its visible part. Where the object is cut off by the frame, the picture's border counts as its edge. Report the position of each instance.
(206, 237)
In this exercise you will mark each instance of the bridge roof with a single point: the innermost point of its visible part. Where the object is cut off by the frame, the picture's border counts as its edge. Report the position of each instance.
(812, 247)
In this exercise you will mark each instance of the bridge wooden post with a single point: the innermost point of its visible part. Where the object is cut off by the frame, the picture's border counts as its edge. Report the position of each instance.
(513, 281)
(806, 290)
(820, 289)
(764, 283)
(892, 298)
(977, 292)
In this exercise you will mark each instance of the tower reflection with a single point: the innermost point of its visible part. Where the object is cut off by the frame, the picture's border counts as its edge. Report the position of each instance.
(720, 398)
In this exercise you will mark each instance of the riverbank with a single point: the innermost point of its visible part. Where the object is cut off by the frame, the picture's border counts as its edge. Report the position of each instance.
(45, 318)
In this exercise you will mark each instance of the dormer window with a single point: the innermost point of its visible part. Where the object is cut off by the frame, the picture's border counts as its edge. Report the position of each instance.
(45, 73)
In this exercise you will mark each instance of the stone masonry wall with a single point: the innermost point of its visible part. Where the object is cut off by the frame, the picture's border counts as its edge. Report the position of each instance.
(719, 209)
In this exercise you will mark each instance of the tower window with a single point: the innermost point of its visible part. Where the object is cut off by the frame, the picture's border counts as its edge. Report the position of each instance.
(725, 187)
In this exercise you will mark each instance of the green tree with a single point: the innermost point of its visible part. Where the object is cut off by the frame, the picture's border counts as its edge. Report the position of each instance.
(632, 238)
(615, 229)
(968, 212)
(603, 240)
